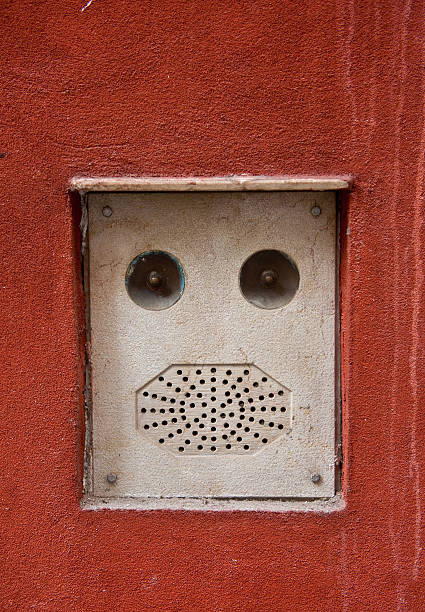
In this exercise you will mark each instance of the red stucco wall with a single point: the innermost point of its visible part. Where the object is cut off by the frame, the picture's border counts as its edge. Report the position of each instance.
(204, 88)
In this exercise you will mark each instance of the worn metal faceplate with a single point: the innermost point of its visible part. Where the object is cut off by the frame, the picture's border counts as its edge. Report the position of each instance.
(170, 386)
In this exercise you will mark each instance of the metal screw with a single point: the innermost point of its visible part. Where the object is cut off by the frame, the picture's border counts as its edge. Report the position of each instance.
(154, 279)
(316, 478)
(107, 211)
(268, 278)
(316, 211)
(111, 478)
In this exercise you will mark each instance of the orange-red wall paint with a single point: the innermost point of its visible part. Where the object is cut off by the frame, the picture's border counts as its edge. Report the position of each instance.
(213, 88)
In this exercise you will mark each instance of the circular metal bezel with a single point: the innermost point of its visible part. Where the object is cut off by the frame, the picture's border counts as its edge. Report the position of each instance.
(141, 291)
(279, 293)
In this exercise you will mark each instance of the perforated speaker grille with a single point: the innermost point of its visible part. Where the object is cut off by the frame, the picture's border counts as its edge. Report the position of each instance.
(213, 409)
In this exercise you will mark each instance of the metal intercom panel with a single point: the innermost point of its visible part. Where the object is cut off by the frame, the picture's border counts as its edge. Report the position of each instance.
(212, 345)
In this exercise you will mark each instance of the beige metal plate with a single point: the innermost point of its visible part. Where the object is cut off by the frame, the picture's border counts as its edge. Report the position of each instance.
(278, 364)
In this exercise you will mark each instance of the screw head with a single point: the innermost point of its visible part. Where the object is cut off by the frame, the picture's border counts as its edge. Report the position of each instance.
(106, 211)
(111, 478)
(316, 211)
(268, 278)
(316, 478)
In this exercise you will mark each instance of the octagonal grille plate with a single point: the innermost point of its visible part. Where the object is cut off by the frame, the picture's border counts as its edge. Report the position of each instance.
(213, 409)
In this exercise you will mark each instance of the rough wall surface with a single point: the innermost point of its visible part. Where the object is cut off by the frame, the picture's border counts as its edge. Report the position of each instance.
(204, 88)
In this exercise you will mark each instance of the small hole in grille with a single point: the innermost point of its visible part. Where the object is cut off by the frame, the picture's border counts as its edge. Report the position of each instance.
(239, 387)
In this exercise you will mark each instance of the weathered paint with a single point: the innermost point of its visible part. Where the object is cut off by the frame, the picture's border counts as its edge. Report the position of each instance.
(267, 87)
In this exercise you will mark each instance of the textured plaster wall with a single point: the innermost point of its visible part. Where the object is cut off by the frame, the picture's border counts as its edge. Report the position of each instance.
(204, 88)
